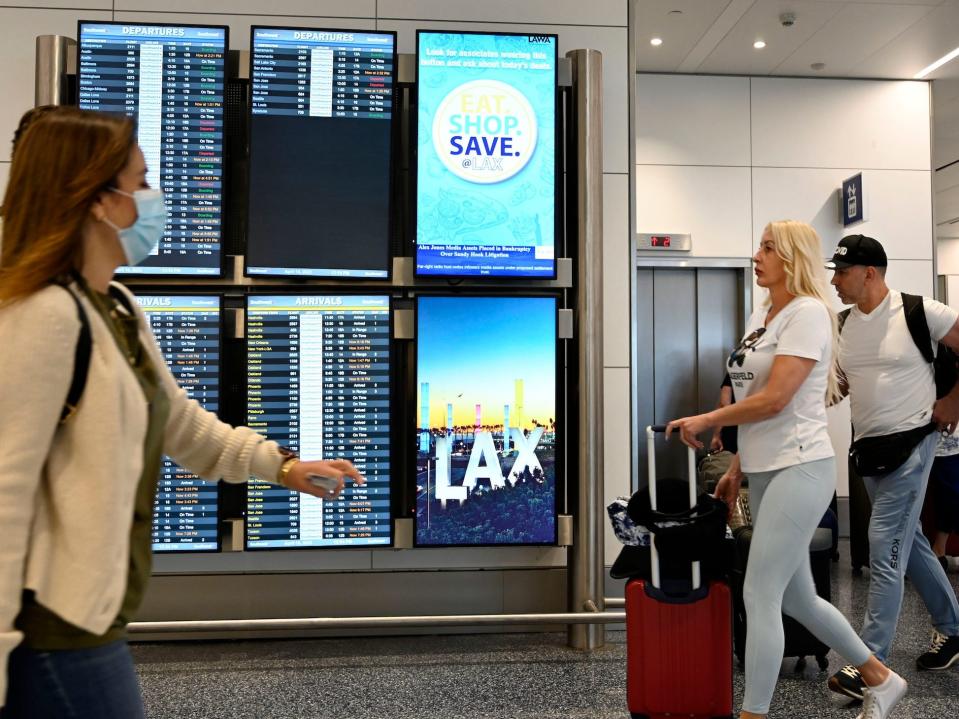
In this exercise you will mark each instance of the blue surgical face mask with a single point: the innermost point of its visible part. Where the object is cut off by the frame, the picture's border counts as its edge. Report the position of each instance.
(142, 237)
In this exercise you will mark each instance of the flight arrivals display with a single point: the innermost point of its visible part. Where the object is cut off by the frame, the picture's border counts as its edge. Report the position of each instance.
(321, 143)
(318, 382)
(486, 441)
(187, 328)
(486, 178)
(170, 78)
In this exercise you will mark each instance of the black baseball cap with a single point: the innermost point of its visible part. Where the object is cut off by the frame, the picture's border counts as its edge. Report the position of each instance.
(857, 250)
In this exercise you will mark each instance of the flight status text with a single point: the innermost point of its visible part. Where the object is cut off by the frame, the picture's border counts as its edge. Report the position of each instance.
(171, 79)
(318, 382)
(312, 73)
(187, 329)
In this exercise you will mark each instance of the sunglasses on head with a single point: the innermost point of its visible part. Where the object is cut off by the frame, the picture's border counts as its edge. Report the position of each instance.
(749, 342)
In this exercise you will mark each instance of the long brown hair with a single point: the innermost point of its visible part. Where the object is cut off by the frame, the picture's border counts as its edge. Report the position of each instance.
(63, 161)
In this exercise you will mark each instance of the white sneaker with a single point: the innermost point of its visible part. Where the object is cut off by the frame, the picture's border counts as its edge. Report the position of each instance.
(879, 701)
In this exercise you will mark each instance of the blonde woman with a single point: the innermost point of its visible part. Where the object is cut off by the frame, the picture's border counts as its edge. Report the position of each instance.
(783, 372)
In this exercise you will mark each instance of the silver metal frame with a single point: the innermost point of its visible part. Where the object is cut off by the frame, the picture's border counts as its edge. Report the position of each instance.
(51, 68)
(586, 618)
(313, 623)
(586, 573)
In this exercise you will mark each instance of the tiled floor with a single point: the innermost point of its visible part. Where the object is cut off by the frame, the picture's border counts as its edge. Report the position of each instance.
(519, 676)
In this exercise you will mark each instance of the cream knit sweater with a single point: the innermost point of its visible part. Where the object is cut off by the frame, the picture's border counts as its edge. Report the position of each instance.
(67, 491)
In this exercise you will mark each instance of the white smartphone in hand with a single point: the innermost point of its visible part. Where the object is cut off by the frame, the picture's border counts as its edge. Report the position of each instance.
(327, 483)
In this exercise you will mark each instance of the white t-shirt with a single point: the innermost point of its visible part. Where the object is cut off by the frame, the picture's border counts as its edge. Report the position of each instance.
(891, 386)
(799, 433)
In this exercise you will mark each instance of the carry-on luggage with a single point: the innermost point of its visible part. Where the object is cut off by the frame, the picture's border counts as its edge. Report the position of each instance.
(800, 642)
(678, 635)
(860, 512)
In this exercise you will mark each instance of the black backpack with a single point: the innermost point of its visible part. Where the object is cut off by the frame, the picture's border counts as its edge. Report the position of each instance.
(81, 356)
(944, 361)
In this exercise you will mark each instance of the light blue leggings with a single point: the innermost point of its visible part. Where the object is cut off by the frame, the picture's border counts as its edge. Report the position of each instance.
(787, 506)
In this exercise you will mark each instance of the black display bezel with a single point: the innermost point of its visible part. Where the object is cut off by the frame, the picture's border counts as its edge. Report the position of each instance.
(557, 160)
(131, 274)
(393, 125)
(313, 291)
(153, 292)
(559, 399)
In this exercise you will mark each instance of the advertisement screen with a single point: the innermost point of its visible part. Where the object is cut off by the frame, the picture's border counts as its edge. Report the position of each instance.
(318, 382)
(486, 155)
(321, 130)
(171, 79)
(486, 443)
(187, 329)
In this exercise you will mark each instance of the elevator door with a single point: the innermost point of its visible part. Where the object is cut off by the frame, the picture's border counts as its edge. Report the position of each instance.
(687, 322)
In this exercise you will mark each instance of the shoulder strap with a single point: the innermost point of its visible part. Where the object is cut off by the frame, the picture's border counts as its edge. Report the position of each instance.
(842, 317)
(122, 297)
(918, 326)
(81, 361)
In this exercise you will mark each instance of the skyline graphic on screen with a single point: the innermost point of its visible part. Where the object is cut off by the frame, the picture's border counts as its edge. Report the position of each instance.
(486, 420)
(486, 155)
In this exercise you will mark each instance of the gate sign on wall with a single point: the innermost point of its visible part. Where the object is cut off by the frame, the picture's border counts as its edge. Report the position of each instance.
(852, 202)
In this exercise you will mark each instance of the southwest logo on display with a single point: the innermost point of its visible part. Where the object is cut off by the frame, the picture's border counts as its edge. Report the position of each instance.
(484, 131)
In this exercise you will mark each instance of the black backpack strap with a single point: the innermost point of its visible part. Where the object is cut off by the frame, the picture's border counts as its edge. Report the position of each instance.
(117, 293)
(918, 326)
(842, 317)
(81, 361)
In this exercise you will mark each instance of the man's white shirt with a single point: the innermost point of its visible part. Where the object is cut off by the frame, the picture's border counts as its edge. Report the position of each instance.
(891, 386)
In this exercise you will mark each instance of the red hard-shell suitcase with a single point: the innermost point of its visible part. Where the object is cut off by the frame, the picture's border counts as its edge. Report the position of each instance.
(678, 645)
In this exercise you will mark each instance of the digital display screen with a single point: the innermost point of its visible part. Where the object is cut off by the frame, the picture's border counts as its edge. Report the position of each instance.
(318, 382)
(187, 328)
(171, 79)
(486, 446)
(321, 142)
(660, 241)
(486, 155)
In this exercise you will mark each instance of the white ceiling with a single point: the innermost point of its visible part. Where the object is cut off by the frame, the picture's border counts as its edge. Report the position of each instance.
(889, 39)
(854, 38)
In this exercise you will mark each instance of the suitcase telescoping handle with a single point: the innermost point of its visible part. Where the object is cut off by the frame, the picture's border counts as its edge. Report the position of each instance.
(651, 433)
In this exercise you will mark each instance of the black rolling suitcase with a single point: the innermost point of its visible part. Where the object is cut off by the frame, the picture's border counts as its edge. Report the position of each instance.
(860, 512)
(800, 643)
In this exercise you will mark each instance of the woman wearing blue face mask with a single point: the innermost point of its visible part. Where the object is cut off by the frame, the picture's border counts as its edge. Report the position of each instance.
(77, 483)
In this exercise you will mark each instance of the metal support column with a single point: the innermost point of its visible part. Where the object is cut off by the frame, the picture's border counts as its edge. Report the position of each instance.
(50, 83)
(586, 557)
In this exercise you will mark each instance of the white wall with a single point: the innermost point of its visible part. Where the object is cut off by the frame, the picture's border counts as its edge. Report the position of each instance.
(599, 25)
(719, 157)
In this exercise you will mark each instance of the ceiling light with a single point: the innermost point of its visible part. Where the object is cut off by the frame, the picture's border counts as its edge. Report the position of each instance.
(759, 44)
(937, 64)
(656, 41)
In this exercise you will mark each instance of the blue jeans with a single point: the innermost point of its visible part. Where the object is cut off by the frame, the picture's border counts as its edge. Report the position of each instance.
(787, 505)
(898, 548)
(98, 683)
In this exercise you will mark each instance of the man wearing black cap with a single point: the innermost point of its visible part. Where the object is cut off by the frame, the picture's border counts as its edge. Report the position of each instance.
(894, 414)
